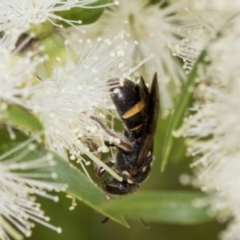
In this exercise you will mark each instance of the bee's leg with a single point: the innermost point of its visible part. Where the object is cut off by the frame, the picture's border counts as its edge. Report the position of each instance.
(118, 141)
(109, 144)
(99, 171)
(93, 145)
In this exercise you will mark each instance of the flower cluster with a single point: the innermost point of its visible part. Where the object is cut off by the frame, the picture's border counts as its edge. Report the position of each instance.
(64, 98)
(76, 92)
(151, 28)
(20, 181)
(18, 17)
(57, 70)
(213, 129)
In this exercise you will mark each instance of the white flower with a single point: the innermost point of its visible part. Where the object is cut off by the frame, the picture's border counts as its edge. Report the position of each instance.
(216, 5)
(19, 182)
(16, 72)
(199, 28)
(150, 28)
(189, 48)
(213, 131)
(76, 92)
(20, 15)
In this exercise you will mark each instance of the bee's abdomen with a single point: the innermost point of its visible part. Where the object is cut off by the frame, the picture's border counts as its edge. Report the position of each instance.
(128, 102)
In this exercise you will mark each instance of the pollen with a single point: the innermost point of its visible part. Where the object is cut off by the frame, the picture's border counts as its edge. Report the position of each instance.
(116, 90)
(130, 181)
(126, 173)
(121, 81)
(144, 169)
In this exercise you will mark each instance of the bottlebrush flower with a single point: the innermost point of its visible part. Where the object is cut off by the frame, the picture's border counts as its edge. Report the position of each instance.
(16, 72)
(216, 5)
(76, 92)
(213, 130)
(20, 15)
(189, 48)
(151, 28)
(19, 182)
(201, 23)
(199, 27)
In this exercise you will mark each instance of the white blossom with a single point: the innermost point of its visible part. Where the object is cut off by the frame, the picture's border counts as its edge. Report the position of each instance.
(150, 27)
(213, 129)
(77, 91)
(19, 16)
(19, 182)
(216, 5)
(203, 19)
(16, 72)
(198, 29)
(189, 48)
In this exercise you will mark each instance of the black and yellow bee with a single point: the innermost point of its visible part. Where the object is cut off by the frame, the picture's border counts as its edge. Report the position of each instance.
(138, 109)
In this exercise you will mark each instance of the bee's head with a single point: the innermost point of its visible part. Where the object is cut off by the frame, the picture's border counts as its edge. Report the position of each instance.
(113, 186)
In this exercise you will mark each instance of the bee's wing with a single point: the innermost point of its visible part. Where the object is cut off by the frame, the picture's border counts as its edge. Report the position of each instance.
(151, 118)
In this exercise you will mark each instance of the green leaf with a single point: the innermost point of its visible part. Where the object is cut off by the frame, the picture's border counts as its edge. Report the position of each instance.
(163, 4)
(54, 48)
(78, 184)
(20, 117)
(84, 190)
(153, 1)
(180, 109)
(41, 30)
(166, 207)
(85, 15)
(187, 92)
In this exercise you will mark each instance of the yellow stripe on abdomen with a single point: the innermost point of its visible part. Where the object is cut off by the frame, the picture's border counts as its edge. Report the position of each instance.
(132, 111)
(135, 128)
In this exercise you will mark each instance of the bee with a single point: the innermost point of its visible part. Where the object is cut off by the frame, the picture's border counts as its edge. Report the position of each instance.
(138, 109)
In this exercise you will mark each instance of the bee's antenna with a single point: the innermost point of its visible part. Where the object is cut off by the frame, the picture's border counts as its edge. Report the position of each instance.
(144, 223)
(104, 220)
